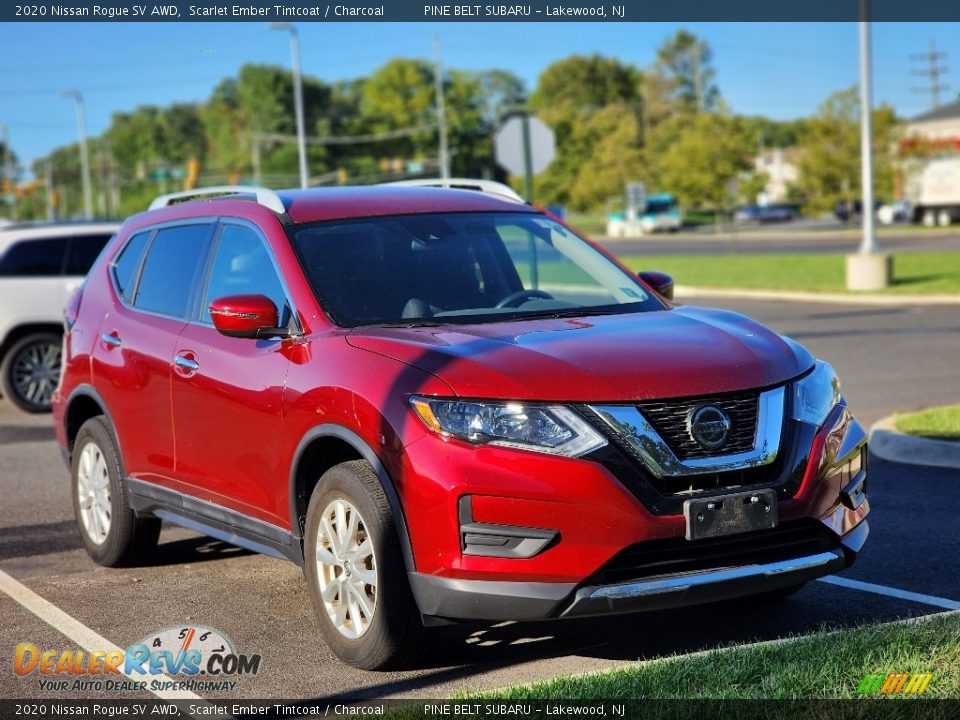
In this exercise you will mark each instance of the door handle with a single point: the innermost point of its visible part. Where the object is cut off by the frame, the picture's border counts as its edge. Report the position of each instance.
(186, 363)
(110, 339)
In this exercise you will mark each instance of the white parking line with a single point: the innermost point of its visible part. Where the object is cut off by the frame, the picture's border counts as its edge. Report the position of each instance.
(77, 631)
(891, 592)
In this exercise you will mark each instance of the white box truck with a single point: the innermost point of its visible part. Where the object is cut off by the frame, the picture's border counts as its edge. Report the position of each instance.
(938, 201)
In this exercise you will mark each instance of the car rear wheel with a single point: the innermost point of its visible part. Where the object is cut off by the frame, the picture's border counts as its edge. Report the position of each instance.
(356, 573)
(31, 370)
(112, 533)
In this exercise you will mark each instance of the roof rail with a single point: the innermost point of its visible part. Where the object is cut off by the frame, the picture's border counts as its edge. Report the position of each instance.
(268, 198)
(490, 187)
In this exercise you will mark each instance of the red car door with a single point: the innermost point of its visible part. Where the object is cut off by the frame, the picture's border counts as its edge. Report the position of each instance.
(132, 356)
(227, 391)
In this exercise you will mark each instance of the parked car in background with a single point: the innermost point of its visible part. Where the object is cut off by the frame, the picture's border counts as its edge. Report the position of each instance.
(766, 213)
(40, 266)
(896, 212)
(444, 405)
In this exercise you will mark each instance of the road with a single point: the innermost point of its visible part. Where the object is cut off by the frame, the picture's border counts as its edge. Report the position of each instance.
(888, 360)
(764, 241)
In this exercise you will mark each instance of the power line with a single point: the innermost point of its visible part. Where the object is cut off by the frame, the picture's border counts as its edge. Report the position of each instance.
(933, 71)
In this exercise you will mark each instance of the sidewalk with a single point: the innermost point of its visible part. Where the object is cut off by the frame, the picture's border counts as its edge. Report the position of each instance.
(684, 292)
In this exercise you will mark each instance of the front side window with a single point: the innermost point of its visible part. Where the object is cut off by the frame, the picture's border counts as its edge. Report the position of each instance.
(460, 268)
(34, 258)
(169, 270)
(242, 266)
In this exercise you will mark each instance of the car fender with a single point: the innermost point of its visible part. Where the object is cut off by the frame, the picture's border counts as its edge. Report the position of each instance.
(367, 453)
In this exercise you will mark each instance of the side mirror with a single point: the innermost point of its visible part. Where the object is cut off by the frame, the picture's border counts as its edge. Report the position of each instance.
(661, 282)
(246, 316)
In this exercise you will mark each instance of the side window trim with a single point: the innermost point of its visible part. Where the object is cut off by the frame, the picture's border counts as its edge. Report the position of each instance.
(136, 274)
(222, 224)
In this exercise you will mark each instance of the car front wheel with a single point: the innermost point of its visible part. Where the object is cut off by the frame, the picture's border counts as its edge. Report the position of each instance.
(31, 371)
(356, 573)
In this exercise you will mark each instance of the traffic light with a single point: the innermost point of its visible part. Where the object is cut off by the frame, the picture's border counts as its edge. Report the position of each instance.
(193, 172)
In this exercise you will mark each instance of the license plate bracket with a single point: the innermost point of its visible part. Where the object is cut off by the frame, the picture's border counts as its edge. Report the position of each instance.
(730, 514)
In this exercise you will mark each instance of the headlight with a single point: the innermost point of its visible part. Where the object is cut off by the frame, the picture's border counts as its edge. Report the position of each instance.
(816, 395)
(548, 429)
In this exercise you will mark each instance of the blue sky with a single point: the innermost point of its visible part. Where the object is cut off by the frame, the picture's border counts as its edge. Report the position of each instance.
(780, 70)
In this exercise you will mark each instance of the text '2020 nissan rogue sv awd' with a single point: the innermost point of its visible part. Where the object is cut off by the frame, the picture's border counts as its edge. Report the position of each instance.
(444, 405)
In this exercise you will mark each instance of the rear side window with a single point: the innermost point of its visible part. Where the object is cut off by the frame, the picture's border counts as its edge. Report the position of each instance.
(126, 266)
(84, 249)
(34, 258)
(168, 272)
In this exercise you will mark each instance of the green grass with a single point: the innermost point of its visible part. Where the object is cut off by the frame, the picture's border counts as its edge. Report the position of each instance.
(942, 423)
(819, 665)
(935, 272)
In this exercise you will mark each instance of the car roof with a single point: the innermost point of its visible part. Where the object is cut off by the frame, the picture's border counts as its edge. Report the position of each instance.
(10, 234)
(349, 202)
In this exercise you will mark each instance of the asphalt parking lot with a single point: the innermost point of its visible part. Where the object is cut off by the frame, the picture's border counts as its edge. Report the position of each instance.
(888, 358)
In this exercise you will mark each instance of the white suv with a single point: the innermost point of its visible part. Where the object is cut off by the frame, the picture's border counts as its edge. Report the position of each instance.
(40, 266)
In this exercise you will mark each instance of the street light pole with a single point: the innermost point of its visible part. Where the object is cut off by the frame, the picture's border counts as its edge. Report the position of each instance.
(868, 245)
(84, 154)
(297, 95)
(868, 269)
(441, 109)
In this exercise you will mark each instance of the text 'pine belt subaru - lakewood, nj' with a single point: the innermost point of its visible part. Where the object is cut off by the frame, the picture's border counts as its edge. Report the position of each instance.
(444, 404)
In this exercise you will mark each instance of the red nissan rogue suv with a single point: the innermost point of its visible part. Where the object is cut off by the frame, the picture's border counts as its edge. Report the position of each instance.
(444, 404)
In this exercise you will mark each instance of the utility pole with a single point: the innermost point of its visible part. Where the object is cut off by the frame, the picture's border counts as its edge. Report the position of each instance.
(8, 170)
(441, 110)
(698, 73)
(84, 154)
(933, 71)
(48, 185)
(255, 158)
(297, 95)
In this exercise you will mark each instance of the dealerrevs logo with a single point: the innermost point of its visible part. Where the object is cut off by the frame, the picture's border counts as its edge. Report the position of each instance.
(185, 652)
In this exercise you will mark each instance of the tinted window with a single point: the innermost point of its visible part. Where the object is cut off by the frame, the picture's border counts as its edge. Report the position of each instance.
(34, 257)
(126, 266)
(84, 249)
(169, 270)
(242, 266)
(460, 268)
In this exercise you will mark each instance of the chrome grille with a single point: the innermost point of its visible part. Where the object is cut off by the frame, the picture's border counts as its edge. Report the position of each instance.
(669, 419)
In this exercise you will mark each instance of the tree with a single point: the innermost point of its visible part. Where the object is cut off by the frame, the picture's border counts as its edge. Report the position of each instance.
(569, 94)
(683, 78)
(829, 165)
(701, 156)
(616, 157)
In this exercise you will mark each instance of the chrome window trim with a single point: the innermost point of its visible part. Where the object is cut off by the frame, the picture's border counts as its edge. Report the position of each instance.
(628, 423)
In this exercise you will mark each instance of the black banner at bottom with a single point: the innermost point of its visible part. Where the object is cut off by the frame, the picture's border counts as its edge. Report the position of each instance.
(867, 708)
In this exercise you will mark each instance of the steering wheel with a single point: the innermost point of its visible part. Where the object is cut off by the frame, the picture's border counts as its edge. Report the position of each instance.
(516, 299)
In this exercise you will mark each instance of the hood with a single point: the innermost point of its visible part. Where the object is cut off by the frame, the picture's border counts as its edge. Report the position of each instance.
(684, 351)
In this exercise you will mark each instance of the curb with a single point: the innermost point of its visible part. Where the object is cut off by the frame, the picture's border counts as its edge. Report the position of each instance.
(685, 291)
(889, 444)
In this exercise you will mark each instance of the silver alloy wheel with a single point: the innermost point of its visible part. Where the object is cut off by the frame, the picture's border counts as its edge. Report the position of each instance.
(93, 493)
(36, 371)
(346, 569)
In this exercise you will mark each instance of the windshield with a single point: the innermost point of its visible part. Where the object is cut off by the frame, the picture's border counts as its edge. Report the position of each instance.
(459, 268)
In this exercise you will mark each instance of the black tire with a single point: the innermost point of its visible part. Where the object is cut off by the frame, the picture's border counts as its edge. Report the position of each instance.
(129, 538)
(39, 344)
(395, 634)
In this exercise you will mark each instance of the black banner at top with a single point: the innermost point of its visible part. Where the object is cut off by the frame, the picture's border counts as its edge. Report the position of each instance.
(444, 11)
